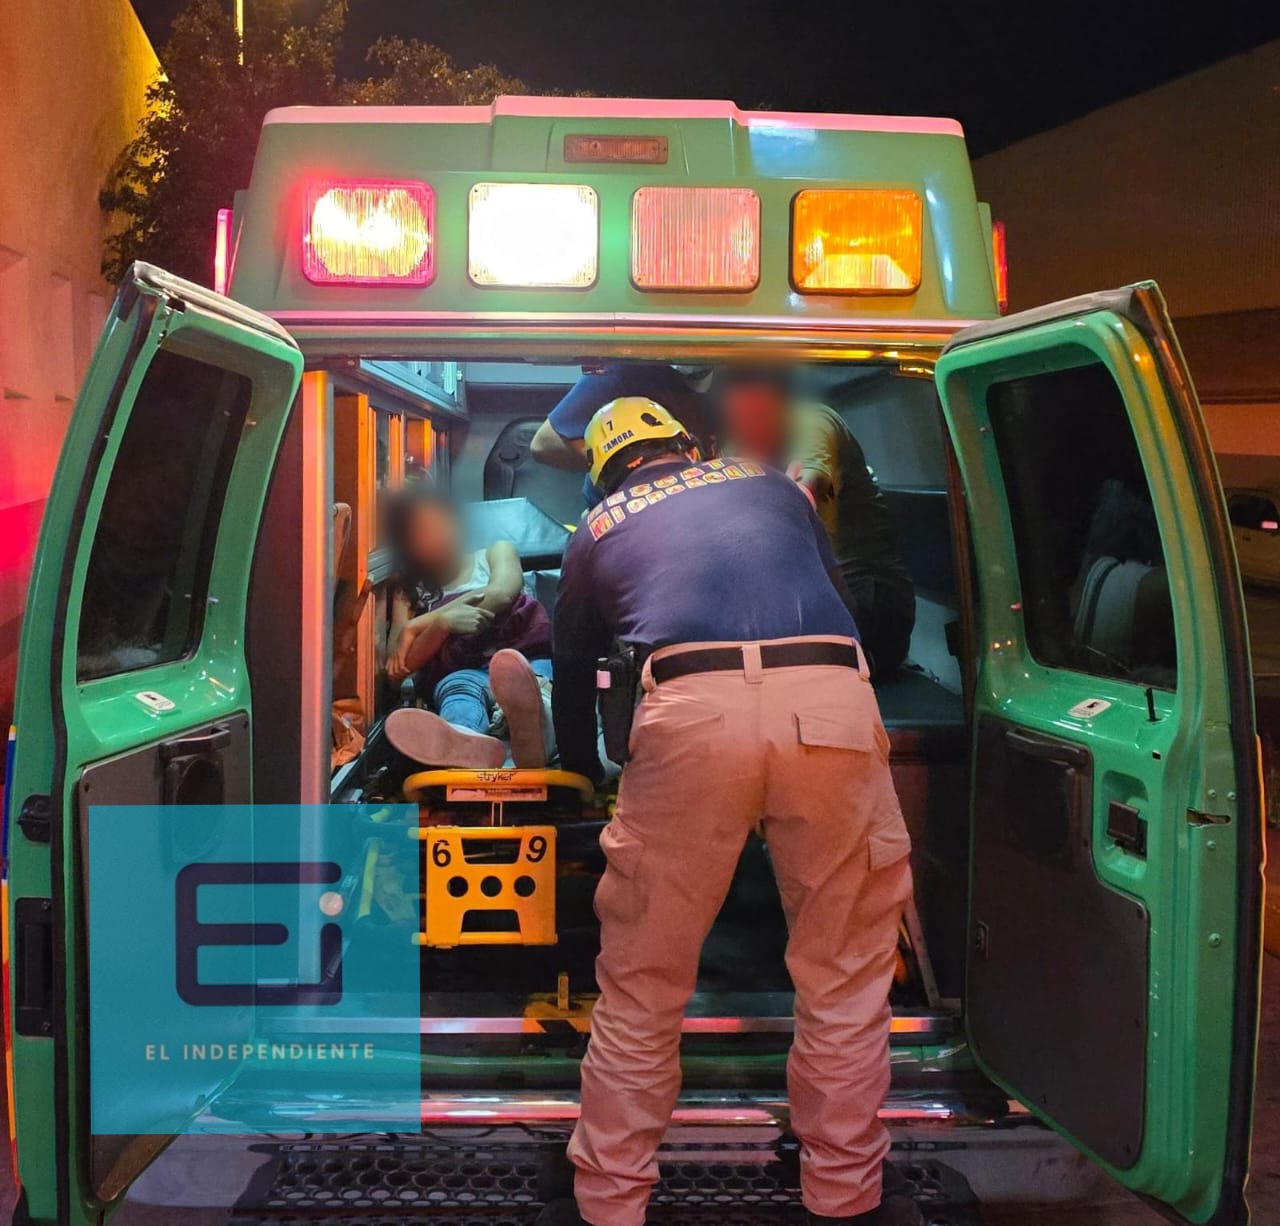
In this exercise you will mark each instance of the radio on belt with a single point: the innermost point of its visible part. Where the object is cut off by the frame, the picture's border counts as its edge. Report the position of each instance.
(617, 690)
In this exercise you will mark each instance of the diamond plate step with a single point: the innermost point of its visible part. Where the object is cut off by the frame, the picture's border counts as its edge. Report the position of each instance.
(402, 1181)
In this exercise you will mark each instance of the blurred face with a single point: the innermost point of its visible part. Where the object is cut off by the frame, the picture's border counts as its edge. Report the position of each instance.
(431, 539)
(754, 413)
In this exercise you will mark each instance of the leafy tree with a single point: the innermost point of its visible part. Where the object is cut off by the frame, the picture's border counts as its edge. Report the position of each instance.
(417, 73)
(196, 143)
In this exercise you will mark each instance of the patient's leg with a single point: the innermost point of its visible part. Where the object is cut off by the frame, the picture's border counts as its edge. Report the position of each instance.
(521, 689)
(456, 736)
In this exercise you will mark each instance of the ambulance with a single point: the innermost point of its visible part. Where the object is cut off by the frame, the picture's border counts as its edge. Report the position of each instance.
(403, 294)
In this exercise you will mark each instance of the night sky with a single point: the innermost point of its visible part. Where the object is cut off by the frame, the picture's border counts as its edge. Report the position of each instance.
(1005, 68)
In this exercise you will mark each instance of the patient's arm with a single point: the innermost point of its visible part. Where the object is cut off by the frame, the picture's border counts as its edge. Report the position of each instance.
(506, 580)
(556, 451)
(422, 637)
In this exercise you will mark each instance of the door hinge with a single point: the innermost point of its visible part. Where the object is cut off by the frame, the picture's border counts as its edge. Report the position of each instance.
(33, 967)
(36, 818)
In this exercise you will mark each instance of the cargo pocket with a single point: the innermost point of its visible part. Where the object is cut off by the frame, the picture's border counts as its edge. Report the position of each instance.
(887, 837)
(888, 842)
(834, 730)
(618, 896)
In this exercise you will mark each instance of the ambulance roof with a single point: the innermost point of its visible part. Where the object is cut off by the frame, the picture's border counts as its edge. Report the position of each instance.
(616, 108)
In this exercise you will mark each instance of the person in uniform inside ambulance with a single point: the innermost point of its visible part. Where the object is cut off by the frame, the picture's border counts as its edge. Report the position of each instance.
(755, 711)
(764, 420)
(559, 440)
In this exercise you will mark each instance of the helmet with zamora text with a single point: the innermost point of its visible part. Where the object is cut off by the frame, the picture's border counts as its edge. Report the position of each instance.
(628, 431)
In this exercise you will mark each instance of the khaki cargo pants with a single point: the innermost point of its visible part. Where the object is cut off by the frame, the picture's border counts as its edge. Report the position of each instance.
(801, 750)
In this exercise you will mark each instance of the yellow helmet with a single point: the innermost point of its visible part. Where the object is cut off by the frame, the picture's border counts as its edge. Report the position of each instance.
(622, 424)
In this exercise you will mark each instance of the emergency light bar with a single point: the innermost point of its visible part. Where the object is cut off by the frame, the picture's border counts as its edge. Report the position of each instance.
(547, 235)
(696, 238)
(361, 233)
(533, 235)
(856, 241)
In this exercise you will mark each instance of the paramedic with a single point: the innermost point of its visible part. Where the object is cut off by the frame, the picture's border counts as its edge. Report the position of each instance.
(558, 441)
(765, 421)
(756, 709)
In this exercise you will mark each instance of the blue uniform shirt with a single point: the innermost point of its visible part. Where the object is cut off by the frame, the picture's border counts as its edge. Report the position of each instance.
(658, 381)
(720, 551)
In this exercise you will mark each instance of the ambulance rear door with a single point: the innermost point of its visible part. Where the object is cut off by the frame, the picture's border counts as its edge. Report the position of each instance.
(132, 684)
(1116, 872)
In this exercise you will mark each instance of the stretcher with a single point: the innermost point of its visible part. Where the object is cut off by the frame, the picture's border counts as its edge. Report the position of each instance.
(488, 846)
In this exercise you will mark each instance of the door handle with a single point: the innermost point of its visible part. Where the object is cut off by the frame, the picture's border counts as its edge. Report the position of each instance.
(213, 741)
(1046, 748)
(194, 768)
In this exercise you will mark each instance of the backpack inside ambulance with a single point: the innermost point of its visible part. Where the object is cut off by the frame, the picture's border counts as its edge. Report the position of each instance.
(409, 291)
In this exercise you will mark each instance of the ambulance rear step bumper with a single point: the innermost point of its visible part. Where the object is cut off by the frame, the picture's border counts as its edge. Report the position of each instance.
(745, 1109)
(906, 1028)
(503, 1177)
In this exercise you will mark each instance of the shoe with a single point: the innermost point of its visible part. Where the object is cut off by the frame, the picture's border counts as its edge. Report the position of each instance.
(562, 1212)
(517, 690)
(894, 1210)
(426, 738)
(555, 1175)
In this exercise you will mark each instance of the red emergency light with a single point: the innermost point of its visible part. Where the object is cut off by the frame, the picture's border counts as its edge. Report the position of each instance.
(221, 251)
(369, 233)
(1000, 258)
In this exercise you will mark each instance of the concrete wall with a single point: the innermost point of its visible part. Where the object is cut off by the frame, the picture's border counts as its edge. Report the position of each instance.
(75, 73)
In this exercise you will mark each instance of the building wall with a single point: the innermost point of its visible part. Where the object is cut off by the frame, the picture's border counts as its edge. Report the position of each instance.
(1180, 184)
(75, 74)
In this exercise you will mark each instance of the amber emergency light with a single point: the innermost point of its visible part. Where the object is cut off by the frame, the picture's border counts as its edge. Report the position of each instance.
(856, 241)
(369, 233)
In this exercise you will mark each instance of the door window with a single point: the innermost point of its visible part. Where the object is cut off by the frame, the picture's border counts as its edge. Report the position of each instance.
(148, 573)
(1095, 591)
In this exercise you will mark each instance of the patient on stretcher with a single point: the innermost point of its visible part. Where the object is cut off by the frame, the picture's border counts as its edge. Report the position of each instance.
(475, 644)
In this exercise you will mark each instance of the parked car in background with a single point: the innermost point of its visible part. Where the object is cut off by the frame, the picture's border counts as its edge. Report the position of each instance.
(1255, 524)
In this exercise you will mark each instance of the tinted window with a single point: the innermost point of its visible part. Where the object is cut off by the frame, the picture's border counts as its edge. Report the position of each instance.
(148, 573)
(1095, 591)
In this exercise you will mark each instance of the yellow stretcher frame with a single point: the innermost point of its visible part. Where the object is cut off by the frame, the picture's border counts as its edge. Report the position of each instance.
(459, 881)
(514, 780)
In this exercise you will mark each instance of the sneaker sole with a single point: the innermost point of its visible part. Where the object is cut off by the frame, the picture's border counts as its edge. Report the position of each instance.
(426, 738)
(515, 688)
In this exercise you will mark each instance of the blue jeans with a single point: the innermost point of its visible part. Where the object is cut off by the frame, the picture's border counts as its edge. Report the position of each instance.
(465, 699)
